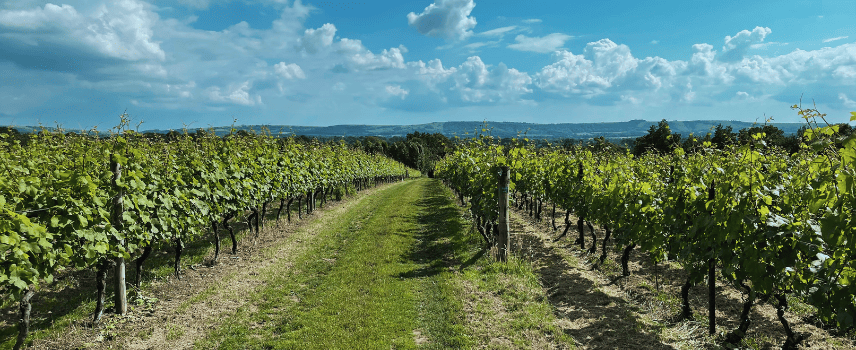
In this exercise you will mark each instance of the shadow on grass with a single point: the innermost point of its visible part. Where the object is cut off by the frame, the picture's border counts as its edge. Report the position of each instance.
(443, 235)
(594, 318)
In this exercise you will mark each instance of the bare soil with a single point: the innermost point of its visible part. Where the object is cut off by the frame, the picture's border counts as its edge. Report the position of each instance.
(602, 309)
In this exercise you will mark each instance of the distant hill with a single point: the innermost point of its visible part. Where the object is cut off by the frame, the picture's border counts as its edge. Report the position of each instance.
(616, 130)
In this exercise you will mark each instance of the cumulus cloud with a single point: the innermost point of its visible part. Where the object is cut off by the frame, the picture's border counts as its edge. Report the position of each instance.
(472, 83)
(123, 49)
(477, 82)
(237, 94)
(756, 69)
(545, 44)
(396, 90)
(316, 39)
(735, 47)
(845, 73)
(115, 30)
(801, 67)
(601, 63)
(610, 59)
(289, 71)
(360, 58)
(433, 72)
(607, 73)
(532, 20)
(571, 74)
(704, 64)
(448, 19)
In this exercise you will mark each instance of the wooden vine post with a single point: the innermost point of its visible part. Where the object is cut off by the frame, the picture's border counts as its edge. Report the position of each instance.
(711, 275)
(121, 298)
(504, 240)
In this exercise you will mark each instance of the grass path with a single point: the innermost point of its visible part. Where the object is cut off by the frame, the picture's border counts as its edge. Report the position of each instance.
(357, 287)
(400, 270)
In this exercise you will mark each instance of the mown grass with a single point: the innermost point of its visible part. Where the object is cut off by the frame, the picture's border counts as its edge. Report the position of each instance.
(391, 273)
(354, 288)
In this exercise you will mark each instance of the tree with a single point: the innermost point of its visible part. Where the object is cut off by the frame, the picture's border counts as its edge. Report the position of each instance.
(723, 136)
(659, 139)
(694, 144)
(773, 135)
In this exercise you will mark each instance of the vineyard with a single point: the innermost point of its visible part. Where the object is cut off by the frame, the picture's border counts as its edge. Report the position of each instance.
(774, 225)
(90, 202)
(405, 264)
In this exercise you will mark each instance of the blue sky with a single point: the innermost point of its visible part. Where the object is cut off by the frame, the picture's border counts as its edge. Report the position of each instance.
(201, 63)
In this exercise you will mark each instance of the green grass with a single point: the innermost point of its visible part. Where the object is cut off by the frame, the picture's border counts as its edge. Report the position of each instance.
(367, 283)
(390, 274)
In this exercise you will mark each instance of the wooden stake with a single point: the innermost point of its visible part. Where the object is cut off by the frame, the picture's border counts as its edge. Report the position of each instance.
(504, 239)
(121, 295)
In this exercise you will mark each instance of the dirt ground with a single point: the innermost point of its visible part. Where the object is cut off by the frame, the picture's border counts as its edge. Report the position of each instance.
(603, 310)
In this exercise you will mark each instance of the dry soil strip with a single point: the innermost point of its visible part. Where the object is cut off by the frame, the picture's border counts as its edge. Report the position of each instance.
(594, 313)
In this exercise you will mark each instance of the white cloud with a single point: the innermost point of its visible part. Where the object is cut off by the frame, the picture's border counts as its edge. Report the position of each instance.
(735, 47)
(545, 44)
(610, 59)
(762, 46)
(655, 42)
(316, 39)
(449, 19)
(479, 44)
(744, 96)
(289, 71)
(757, 70)
(607, 73)
(846, 101)
(499, 32)
(602, 64)
(845, 73)
(118, 29)
(835, 38)
(360, 58)
(704, 64)
(631, 99)
(572, 74)
(433, 72)
(532, 20)
(806, 67)
(396, 90)
(237, 94)
(477, 83)
(474, 47)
